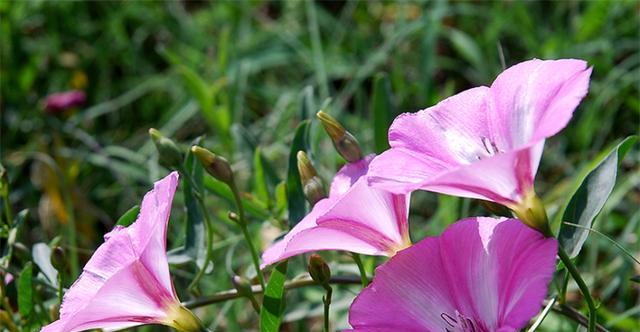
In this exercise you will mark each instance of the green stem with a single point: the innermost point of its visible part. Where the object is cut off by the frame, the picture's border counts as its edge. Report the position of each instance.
(326, 300)
(256, 289)
(7, 210)
(575, 274)
(245, 231)
(207, 256)
(60, 290)
(210, 230)
(363, 273)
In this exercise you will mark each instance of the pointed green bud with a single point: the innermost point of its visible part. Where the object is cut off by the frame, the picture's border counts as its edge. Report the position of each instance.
(242, 285)
(58, 258)
(215, 165)
(169, 153)
(345, 143)
(311, 182)
(319, 270)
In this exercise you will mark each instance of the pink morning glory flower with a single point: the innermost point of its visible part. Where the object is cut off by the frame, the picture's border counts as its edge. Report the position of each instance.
(126, 282)
(64, 100)
(481, 275)
(485, 142)
(355, 217)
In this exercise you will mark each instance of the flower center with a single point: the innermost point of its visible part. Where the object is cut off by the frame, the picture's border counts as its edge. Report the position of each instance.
(490, 147)
(459, 323)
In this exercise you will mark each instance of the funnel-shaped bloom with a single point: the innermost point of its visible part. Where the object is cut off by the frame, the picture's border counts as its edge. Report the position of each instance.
(126, 282)
(63, 100)
(355, 218)
(482, 275)
(485, 142)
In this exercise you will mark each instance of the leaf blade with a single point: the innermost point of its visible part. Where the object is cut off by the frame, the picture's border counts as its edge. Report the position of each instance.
(273, 302)
(590, 197)
(296, 202)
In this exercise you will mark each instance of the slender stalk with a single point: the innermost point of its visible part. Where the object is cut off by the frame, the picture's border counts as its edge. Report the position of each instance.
(7, 210)
(210, 230)
(254, 303)
(575, 274)
(207, 257)
(575, 315)
(245, 231)
(326, 300)
(60, 289)
(363, 273)
(256, 289)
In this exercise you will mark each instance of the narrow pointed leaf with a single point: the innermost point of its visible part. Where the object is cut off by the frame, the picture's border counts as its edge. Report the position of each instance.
(587, 202)
(42, 258)
(129, 217)
(295, 196)
(382, 112)
(25, 290)
(196, 232)
(260, 181)
(273, 302)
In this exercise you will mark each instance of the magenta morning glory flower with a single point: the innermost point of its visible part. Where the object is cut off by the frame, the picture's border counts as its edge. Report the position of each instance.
(355, 217)
(481, 275)
(126, 282)
(485, 142)
(64, 100)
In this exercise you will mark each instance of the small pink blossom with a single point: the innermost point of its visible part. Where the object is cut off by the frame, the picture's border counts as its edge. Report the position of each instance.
(485, 142)
(355, 217)
(126, 282)
(481, 275)
(64, 100)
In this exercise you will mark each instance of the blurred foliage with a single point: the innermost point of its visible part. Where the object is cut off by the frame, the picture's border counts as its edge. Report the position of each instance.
(243, 75)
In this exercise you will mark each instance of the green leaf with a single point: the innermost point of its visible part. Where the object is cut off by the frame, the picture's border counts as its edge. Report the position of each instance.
(382, 111)
(222, 190)
(273, 301)
(196, 232)
(296, 202)
(25, 291)
(11, 238)
(129, 217)
(590, 197)
(42, 258)
(260, 181)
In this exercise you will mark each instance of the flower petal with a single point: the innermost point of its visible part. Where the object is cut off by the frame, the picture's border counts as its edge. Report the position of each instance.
(115, 290)
(454, 132)
(276, 251)
(535, 99)
(348, 175)
(355, 218)
(504, 178)
(493, 272)
(149, 232)
(126, 281)
(499, 270)
(408, 293)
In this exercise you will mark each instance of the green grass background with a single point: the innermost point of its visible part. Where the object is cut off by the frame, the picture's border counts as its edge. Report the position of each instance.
(244, 74)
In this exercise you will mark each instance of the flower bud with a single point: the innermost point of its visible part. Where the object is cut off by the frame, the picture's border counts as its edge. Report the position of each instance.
(169, 153)
(242, 285)
(311, 183)
(345, 143)
(216, 166)
(319, 270)
(58, 258)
